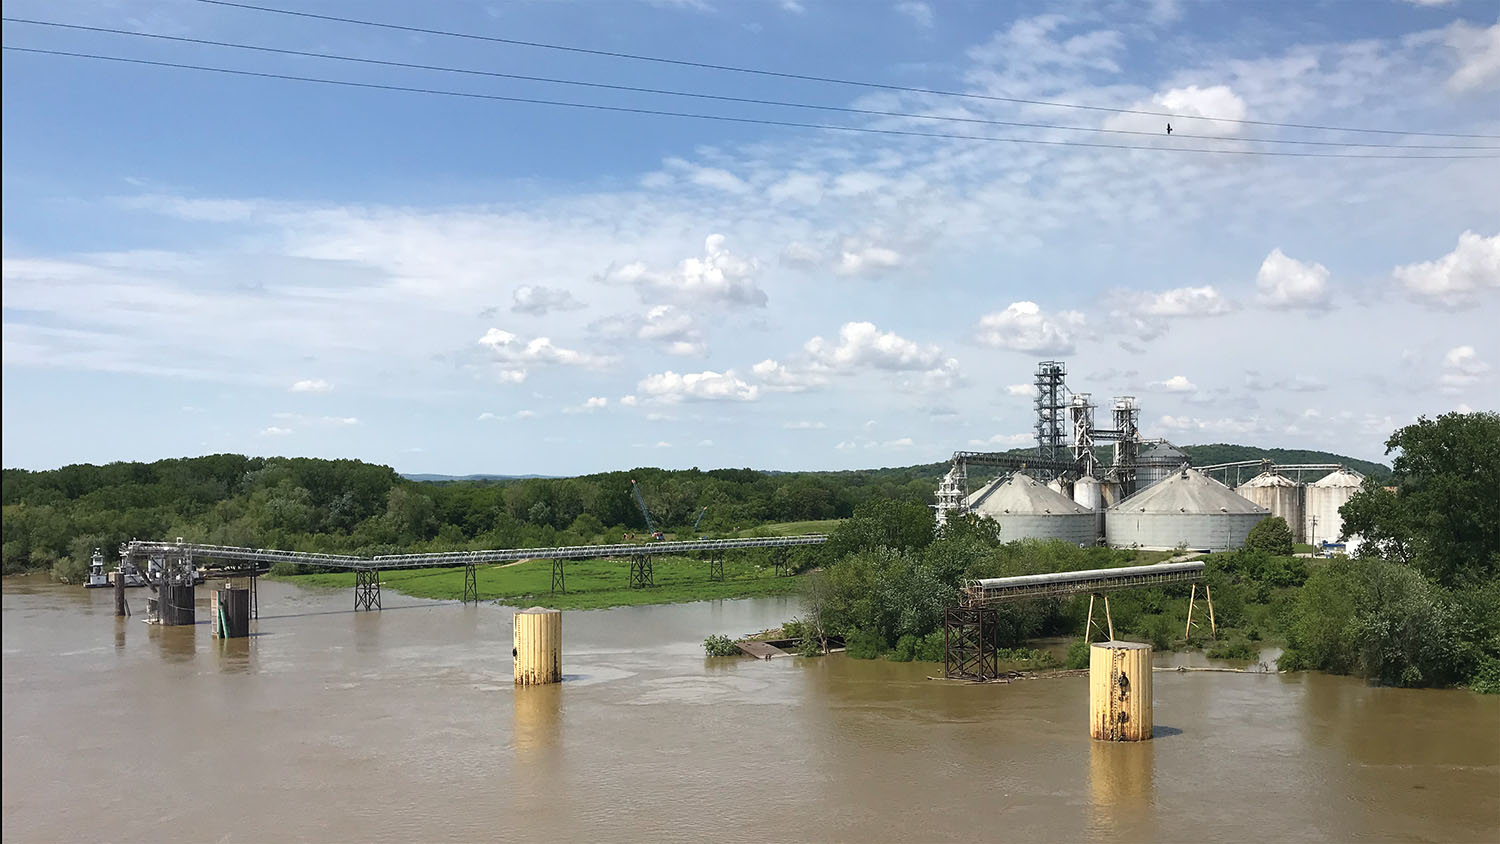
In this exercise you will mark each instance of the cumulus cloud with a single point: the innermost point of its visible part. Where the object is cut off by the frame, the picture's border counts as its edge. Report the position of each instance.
(919, 13)
(1213, 101)
(1176, 384)
(512, 355)
(1025, 391)
(719, 276)
(1224, 425)
(669, 386)
(1184, 302)
(1024, 327)
(311, 385)
(779, 378)
(672, 328)
(1478, 52)
(275, 431)
(1453, 280)
(536, 299)
(1038, 44)
(1462, 369)
(1285, 282)
(1004, 441)
(863, 259)
(804, 425)
(862, 345)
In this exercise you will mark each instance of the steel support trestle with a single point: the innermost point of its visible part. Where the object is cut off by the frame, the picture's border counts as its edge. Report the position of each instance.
(716, 567)
(471, 583)
(969, 644)
(558, 584)
(641, 574)
(366, 589)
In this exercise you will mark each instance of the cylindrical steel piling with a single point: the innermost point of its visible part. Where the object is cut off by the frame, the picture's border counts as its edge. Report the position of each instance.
(1120, 691)
(119, 583)
(537, 646)
(231, 613)
(176, 605)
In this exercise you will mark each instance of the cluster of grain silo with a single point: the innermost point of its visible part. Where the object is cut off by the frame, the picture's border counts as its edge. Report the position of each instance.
(1311, 510)
(1186, 509)
(1025, 508)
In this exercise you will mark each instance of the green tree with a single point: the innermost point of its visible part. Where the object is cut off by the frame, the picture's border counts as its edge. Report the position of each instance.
(1272, 536)
(1444, 514)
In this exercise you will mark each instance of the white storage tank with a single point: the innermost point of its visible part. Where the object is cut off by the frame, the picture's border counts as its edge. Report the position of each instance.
(1027, 509)
(1187, 509)
(1156, 462)
(1324, 498)
(1282, 496)
(1087, 492)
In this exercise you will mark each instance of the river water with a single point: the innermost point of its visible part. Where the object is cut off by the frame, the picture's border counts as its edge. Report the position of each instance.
(404, 725)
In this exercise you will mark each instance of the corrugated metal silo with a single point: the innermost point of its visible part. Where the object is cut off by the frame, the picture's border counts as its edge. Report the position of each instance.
(1026, 509)
(1087, 493)
(1324, 498)
(1156, 462)
(1282, 496)
(1187, 508)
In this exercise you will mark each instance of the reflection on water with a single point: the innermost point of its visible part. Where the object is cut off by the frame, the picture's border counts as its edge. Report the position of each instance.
(405, 725)
(1122, 778)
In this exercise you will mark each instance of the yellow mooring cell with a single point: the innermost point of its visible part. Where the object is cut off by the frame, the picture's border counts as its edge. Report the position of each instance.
(1120, 691)
(537, 639)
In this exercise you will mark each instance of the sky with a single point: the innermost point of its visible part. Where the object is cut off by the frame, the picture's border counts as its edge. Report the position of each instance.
(199, 262)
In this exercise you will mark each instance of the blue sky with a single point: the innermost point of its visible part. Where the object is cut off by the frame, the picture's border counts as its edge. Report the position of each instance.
(199, 263)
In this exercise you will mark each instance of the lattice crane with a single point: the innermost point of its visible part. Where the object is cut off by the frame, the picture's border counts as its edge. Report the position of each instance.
(635, 489)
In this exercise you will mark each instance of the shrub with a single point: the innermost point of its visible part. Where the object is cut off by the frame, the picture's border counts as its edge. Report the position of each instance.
(1486, 680)
(1158, 630)
(794, 629)
(863, 644)
(1078, 654)
(809, 647)
(718, 645)
(1272, 536)
(70, 569)
(905, 650)
(1236, 649)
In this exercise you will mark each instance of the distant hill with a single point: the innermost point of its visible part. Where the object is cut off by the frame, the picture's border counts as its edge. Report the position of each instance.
(1208, 455)
(426, 478)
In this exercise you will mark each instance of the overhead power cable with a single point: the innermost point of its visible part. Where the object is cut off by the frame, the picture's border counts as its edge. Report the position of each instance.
(715, 117)
(804, 77)
(721, 97)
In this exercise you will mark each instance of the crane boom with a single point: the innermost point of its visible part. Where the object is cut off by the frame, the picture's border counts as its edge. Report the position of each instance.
(641, 502)
(699, 520)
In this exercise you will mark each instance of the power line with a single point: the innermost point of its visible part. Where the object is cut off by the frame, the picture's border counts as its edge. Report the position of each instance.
(715, 117)
(718, 97)
(812, 78)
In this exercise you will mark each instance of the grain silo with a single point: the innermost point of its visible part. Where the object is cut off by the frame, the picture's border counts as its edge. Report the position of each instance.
(1187, 509)
(1322, 504)
(1088, 492)
(1282, 496)
(1156, 461)
(1026, 509)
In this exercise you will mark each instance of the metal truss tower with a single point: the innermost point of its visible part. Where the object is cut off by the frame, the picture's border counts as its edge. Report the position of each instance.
(1081, 413)
(1128, 445)
(1051, 410)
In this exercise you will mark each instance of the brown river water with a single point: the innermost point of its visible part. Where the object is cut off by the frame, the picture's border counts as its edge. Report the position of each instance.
(404, 725)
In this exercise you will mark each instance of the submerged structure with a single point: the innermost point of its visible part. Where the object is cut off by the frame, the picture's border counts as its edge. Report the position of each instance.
(1187, 509)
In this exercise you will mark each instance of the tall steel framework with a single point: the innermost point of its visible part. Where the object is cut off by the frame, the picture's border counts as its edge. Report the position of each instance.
(1051, 410)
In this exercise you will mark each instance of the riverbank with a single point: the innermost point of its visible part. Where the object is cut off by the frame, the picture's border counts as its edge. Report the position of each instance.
(591, 584)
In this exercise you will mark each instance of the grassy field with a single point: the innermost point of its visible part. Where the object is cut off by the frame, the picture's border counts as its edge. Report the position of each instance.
(791, 528)
(592, 584)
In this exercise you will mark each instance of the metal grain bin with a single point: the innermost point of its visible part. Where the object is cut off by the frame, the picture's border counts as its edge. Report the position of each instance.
(1188, 509)
(1323, 501)
(1027, 509)
(1282, 496)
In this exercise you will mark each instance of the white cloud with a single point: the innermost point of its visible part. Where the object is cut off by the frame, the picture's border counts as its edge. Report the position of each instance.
(487, 417)
(1004, 441)
(669, 386)
(1026, 391)
(674, 330)
(663, 444)
(862, 345)
(536, 299)
(920, 13)
(719, 276)
(1029, 47)
(1184, 301)
(1431, 3)
(1024, 327)
(512, 355)
(1454, 279)
(793, 6)
(865, 259)
(1478, 53)
(275, 431)
(902, 442)
(1213, 101)
(1222, 426)
(804, 426)
(779, 378)
(1462, 369)
(1176, 384)
(1285, 282)
(311, 385)
(629, 401)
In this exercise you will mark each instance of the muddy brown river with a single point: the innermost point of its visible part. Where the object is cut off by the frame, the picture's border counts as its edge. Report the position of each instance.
(403, 725)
